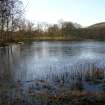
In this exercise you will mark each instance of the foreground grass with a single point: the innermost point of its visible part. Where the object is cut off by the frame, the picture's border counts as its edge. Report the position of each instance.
(13, 94)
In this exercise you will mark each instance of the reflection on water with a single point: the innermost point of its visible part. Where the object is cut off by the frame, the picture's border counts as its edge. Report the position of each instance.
(38, 59)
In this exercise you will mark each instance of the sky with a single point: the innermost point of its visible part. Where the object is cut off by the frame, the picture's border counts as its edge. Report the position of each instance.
(84, 12)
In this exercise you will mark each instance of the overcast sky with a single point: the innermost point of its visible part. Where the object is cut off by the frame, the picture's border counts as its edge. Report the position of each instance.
(84, 12)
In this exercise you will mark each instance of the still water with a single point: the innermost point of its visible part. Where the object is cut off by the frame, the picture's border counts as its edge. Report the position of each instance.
(38, 59)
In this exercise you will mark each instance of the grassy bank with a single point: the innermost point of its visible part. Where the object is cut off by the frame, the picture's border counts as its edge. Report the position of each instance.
(13, 95)
(31, 38)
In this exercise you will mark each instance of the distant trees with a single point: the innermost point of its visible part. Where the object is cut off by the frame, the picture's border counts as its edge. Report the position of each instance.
(53, 29)
(25, 26)
(67, 27)
(62, 31)
(14, 26)
(63, 28)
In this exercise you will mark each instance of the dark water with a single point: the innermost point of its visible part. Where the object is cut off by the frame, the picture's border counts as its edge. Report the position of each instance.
(39, 59)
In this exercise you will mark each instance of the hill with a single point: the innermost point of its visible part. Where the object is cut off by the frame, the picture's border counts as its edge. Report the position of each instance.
(98, 25)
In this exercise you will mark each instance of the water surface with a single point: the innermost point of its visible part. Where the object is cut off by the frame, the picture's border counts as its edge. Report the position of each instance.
(38, 59)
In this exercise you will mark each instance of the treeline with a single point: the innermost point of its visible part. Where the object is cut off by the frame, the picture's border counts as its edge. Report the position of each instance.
(62, 31)
(44, 31)
(14, 27)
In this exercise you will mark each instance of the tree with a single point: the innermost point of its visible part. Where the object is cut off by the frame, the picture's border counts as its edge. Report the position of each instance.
(29, 27)
(67, 27)
(10, 13)
(53, 29)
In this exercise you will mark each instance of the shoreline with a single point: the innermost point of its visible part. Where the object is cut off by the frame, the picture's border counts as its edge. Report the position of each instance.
(7, 43)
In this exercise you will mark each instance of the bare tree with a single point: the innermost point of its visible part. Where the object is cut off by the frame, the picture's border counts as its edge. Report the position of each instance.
(10, 13)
